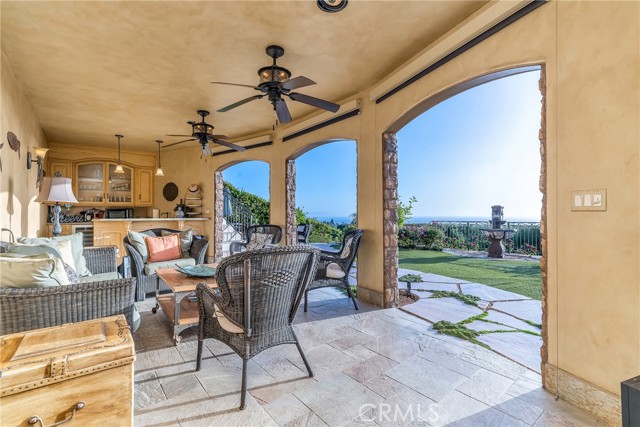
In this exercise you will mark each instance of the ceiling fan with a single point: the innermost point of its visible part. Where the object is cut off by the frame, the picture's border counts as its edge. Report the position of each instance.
(203, 133)
(276, 83)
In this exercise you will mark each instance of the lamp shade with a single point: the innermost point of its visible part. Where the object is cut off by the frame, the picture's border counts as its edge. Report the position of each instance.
(40, 152)
(56, 189)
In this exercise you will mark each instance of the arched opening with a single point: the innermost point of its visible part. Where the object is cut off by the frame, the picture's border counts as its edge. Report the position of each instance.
(491, 175)
(242, 199)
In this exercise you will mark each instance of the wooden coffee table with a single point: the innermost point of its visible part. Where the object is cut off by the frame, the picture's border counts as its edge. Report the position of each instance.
(181, 312)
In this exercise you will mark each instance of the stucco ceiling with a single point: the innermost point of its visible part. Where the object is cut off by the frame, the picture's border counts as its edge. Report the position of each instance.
(93, 69)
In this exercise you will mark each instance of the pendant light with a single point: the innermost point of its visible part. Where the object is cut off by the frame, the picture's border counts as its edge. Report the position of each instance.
(159, 171)
(118, 168)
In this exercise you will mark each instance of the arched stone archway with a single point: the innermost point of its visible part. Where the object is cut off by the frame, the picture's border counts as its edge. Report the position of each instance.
(290, 186)
(390, 185)
(218, 211)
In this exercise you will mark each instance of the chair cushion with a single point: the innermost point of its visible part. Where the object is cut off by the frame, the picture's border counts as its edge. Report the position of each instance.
(151, 267)
(259, 241)
(186, 238)
(100, 277)
(31, 271)
(137, 241)
(163, 248)
(225, 323)
(334, 271)
(80, 262)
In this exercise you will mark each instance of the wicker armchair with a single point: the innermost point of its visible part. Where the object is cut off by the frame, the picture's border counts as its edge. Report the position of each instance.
(23, 309)
(304, 231)
(333, 269)
(256, 301)
(274, 230)
(148, 283)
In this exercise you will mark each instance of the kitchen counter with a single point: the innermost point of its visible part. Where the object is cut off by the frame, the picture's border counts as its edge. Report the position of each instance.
(151, 219)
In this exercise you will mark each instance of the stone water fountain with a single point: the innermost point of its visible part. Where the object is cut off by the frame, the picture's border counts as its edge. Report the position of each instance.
(496, 233)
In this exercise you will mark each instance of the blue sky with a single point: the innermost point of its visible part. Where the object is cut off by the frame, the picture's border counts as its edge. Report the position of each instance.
(477, 149)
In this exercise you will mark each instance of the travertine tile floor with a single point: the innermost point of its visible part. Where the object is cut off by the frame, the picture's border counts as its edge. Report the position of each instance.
(372, 367)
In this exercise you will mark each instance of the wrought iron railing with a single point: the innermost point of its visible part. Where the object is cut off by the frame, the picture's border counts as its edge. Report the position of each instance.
(236, 213)
(467, 235)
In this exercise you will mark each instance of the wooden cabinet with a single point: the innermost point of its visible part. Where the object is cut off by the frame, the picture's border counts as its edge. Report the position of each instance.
(144, 187)
(87, 366)
(64, 167)
(66, 230)
(96, 183)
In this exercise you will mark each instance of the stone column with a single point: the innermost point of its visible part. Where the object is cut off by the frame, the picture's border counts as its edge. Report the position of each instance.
(291, 232)
(218, 215)
(542, 136)
(390, 218)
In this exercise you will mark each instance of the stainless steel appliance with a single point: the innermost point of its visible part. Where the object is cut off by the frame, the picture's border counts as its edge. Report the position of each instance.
(118, 213)
(87, 232)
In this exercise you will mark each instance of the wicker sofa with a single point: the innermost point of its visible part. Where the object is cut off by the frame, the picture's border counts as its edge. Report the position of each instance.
(24, 309)
(146, 283)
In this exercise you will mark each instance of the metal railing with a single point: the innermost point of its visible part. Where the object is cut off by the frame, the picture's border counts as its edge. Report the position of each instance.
(467, 235)
(236, 213)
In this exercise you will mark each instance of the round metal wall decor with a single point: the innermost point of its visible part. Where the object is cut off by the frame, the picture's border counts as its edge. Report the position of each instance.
(332, 6)
(170, 191)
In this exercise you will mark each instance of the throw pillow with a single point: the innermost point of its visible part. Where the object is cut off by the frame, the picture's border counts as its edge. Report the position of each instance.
(72, 277)
(76, 248)
(66, 254)
(137, 241)
(186, 237)
(26, 249)
(164, 248)
(258, 241)
(31, 271)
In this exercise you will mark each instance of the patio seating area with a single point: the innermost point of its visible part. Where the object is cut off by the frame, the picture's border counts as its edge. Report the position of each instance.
(390, 368)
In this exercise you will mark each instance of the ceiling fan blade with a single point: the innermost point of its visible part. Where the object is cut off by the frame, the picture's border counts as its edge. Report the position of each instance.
(218, 136)
(282, 111)
(232, 84)
(179, 142)
(297, 82)
(239, 103)
(315, 102)
(228, 144)
(206, 149)
(186, 136)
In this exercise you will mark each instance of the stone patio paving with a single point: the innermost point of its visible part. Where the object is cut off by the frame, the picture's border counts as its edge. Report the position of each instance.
(372, 367)
(510, 326)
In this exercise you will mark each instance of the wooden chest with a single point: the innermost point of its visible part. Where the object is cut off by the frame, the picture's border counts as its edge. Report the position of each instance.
(80, 372)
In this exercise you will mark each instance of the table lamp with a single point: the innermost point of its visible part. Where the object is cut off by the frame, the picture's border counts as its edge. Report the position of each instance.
(55, 190)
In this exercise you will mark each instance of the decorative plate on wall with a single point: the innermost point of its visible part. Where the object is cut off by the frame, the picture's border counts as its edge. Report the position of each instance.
(170, 191)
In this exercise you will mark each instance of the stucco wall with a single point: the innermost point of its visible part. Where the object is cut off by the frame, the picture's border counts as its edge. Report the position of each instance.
(18, 211)
(590, 53)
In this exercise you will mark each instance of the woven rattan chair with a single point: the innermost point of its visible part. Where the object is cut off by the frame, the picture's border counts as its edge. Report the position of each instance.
(148, 283)
(275, 231)
(333, 268)
(304, 231)
(256, 300)
(23, 309)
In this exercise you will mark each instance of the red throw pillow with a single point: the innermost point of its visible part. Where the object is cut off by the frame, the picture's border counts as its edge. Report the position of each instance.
(163, 248)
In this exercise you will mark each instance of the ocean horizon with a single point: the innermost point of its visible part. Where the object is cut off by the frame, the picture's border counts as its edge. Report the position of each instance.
(428, 219)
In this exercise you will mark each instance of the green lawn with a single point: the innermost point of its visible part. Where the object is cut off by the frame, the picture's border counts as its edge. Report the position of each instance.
(521, 277)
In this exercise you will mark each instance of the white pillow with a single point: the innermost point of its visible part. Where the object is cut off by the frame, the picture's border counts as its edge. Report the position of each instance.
(31, 271)
(66, 253)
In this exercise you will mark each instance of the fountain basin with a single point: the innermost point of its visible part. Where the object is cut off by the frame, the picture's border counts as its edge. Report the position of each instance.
(496, 249)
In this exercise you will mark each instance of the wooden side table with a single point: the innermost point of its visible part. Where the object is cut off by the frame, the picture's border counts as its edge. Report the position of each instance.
(181, 312)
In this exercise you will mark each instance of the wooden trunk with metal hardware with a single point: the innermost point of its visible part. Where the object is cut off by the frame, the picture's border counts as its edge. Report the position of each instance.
(78, 374)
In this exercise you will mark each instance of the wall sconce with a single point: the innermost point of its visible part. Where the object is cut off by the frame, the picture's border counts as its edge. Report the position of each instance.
(39, 153)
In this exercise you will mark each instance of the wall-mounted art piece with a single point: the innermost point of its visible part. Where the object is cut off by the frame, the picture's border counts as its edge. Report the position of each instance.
(14, 142)
(170, 191)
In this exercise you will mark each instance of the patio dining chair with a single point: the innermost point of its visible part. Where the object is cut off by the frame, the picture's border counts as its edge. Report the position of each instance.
(257, 237)
(334, 266)
(256, 300)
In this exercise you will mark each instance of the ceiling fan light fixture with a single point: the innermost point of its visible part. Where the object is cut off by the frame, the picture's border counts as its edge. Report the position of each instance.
(119, 169)
(159, 171)
(273, 73)
(202, 128)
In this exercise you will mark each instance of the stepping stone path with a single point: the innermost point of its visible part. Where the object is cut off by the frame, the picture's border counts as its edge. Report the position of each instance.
(510, 327)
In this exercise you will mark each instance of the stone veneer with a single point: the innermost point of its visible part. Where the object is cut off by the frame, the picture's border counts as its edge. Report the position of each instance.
(291, 232)
(586, 396)
(390, 219)
(542, 136)
(218, 214)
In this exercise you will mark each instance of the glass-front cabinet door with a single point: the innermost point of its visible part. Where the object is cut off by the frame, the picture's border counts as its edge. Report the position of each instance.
(119, 186)
(90, 186)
